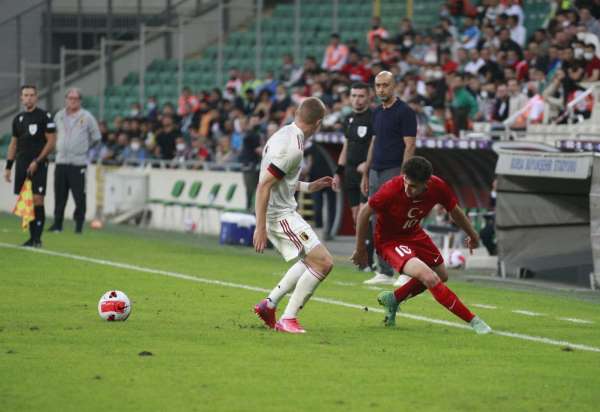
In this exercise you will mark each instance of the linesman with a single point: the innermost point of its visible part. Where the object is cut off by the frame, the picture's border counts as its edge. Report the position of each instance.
(33, 139)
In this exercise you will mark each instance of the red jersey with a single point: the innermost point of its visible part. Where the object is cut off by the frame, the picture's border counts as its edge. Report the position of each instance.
(399, 217)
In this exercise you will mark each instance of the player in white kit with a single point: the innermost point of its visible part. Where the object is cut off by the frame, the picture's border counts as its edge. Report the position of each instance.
(277, 219)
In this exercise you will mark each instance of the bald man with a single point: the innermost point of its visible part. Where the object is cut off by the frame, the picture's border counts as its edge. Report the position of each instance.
(393, 143)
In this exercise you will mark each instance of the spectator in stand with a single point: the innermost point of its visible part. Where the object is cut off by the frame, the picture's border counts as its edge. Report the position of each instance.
(591, 24)
(464, 105)
(223, 152)
(518, 33)
(448, 65)
(592, 63)
(517, 100)
(501, 104)
(135, 153)
(165, 139)
(335, 55)
(188, 103)
(475, 63)
(376, 31)
(355, 70)
(152, 108)
(290, 72)
(470, 34)
(506, 43)
(234, 82)
(492, 9)
(513, 8)
(280, 104)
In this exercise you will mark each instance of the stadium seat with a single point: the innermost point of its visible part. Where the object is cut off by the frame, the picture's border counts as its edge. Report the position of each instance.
(170, 200)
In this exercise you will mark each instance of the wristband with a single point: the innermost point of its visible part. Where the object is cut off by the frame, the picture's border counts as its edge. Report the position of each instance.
(9, 164)
(303, 186)
(340, 170)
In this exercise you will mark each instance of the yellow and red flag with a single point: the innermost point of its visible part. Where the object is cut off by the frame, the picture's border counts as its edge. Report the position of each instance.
(24, 206)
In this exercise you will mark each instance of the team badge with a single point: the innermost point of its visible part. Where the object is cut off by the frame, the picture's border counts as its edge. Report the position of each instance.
(361, 131)
(351, 120)
(304, 236)
(20, 119)
(33, 129)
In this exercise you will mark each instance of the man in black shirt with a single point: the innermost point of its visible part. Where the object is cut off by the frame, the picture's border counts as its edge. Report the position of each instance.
(393, 143)
(165, 139)
(250, 159)
(33, 139)
(358, 132)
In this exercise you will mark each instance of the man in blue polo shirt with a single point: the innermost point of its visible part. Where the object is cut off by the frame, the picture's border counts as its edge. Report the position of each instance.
(393, 143)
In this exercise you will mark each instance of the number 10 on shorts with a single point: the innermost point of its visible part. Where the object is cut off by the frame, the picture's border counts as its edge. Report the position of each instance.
(403, 250)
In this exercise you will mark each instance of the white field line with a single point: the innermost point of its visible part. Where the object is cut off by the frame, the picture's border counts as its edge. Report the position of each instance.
(182, 276)
(481, 305)
(527, 313)
(575, 320)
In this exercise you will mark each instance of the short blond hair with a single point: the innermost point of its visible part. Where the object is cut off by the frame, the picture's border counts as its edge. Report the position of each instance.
(311, 110)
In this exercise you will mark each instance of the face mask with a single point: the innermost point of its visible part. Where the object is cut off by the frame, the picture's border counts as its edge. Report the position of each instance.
(280, 97)
(134, 113)
(484, 94)
(530, 93)
(135, 146)
(588, 56)
(407, 43)
(151, 105)
(438, 74)
(428, 74)
(565, 24)
(578, 53)
(180, 147)
(375, 27)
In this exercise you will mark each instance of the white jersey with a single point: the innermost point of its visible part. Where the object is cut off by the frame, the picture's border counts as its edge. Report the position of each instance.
(282, 157)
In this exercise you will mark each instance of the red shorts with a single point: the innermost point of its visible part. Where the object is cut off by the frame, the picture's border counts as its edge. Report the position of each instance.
(397, 253)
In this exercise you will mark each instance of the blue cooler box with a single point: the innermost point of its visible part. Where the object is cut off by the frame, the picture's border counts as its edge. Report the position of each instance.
(237, 229)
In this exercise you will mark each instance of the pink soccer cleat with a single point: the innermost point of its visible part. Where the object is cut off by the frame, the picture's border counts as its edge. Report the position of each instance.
(289, 326)
(265, 313)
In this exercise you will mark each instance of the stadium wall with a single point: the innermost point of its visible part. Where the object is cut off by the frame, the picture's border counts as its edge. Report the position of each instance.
(106, 184)
(547, 216)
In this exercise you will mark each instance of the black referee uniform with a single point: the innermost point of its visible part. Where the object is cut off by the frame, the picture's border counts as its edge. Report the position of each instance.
(29, 129)
(358, 130)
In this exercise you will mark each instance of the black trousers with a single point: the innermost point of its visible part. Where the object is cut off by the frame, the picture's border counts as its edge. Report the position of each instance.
(69, 177)
(318, 205)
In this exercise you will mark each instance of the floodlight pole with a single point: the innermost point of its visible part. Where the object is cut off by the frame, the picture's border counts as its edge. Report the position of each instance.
(104, 42)
(161, 29)
(296, 31)
(258, 46)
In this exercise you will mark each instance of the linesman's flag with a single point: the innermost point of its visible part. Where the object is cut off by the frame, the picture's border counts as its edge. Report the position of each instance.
(24, 206)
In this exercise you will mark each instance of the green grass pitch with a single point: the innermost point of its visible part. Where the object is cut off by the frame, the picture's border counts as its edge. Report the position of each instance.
(211, 353)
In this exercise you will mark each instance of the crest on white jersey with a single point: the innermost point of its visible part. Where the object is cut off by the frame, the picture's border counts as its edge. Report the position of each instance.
(361, 131)
(33, 129)
(20, 119)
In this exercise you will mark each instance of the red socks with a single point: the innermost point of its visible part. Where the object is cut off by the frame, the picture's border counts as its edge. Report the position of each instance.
(410, 289)
(448, 299)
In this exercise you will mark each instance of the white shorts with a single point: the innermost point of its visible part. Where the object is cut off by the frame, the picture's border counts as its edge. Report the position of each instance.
(292, 236)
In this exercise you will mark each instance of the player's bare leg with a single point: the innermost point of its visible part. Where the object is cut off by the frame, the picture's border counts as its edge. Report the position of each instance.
(418, 270)
(318, 263)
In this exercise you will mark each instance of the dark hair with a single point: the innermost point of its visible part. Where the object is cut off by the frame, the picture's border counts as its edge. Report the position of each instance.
(28, 86)
(360, 86)
(418, 169)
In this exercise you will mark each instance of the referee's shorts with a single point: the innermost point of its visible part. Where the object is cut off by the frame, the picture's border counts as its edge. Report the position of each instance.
(38, 180)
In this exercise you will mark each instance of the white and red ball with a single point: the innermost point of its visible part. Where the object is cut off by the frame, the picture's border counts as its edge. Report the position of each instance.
(114, 305)
(457, 260)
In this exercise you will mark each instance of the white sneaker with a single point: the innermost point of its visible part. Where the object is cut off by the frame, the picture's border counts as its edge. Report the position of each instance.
(402, 279)
(479, 326)
(380, 279)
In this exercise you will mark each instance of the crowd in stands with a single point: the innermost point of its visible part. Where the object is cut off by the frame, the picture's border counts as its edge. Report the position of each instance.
(479, 64)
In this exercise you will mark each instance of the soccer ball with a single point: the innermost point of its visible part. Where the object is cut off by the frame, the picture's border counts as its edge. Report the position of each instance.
(114, 305)
(457, 260)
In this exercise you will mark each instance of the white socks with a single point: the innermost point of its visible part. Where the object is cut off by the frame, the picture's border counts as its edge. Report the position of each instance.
(286, 283)
(305, 287)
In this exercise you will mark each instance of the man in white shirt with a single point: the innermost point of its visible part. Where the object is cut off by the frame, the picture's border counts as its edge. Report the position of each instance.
(517, 32)
(278, 221)
(475, 62)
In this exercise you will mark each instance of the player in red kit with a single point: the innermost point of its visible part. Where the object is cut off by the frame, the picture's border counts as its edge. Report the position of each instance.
(400, 205)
